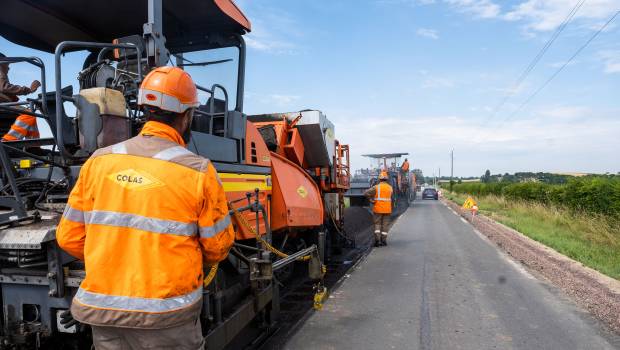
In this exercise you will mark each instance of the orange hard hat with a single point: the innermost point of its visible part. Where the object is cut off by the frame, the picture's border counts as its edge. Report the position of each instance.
(170, 89)
(383, 175)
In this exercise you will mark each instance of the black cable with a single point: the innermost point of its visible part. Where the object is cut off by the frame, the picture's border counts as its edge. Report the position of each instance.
(559, 70)
(20, 182)
(535, 61)
(49, 177)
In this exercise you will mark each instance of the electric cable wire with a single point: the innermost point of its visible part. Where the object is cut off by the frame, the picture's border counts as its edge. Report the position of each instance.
(561, 68)
(512, 90)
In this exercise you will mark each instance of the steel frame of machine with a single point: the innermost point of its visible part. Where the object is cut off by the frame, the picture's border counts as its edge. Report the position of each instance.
(40, 279)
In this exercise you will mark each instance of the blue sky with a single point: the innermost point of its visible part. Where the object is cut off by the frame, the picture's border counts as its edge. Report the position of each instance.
(423, 76)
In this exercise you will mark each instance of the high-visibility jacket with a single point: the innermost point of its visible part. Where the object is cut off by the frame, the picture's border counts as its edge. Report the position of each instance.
(143, 216)
(383, 198)
(405, 166)
(24, 127)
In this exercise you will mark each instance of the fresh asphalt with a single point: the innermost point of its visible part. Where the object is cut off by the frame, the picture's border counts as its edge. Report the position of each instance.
(440, 285)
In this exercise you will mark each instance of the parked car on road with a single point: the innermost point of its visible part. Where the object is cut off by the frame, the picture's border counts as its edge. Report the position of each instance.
(430, 193)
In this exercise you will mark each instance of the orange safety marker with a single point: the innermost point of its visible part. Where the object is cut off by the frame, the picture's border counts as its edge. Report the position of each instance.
(474, 211)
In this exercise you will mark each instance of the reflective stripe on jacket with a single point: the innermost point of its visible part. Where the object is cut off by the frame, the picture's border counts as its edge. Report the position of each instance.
(143, 215)
(383, 199)
(24, 127)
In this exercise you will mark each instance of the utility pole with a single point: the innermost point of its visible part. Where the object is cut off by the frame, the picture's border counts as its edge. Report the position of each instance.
(451, 168)
(439, 179)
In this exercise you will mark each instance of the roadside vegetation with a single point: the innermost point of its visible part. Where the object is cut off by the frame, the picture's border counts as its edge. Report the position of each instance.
(579, 218)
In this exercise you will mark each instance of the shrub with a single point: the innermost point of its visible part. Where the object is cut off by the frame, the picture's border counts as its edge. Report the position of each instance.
(589, 194)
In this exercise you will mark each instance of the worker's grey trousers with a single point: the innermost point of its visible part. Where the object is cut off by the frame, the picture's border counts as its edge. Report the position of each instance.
(186, 337)
(382, 223)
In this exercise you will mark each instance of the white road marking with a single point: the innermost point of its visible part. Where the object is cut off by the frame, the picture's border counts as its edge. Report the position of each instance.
(517, 266)
(500, 252)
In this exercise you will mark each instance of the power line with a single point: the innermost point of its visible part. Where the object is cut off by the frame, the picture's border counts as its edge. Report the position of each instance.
(536, 59)
(559, 70)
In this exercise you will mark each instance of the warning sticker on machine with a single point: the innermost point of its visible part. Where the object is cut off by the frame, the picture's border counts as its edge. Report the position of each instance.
(303, 193)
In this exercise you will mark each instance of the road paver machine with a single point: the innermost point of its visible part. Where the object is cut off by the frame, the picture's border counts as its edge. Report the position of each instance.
(284, 174)
(402, 182)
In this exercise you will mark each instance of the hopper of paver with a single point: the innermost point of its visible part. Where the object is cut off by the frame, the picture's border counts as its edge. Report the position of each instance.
(316, 133)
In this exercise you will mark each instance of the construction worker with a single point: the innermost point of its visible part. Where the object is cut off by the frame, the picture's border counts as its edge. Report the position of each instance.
(381, 198)
(405, 166)
(25, 126)
(144, 215)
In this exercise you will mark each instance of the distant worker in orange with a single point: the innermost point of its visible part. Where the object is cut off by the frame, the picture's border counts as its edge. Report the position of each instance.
(144, 215)
(405, 166)
(380, 196)
(25, 126)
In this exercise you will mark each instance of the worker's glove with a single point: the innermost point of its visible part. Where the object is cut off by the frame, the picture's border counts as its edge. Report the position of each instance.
(67, 320)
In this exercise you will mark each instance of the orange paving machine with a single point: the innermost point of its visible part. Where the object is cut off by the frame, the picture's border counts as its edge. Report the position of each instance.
(284, 174)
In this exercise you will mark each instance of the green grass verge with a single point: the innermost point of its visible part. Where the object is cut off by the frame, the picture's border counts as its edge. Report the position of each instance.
(593, 240)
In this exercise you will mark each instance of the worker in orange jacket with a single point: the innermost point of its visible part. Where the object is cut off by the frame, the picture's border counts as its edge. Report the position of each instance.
(405, 166)
(25, 126)
(145, 215)
(380, 196)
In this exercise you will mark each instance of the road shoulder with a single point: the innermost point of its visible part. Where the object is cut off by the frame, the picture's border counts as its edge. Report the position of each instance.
(595, 292)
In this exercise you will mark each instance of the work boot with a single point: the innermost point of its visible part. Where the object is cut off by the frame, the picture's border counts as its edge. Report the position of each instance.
(377, 238)
(383, 238)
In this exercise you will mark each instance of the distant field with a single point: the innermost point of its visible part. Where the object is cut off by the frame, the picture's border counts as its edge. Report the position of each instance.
(447, 182)
(592, 239)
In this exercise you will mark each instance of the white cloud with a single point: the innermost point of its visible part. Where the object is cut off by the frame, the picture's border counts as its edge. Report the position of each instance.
(438, 82)
(478, 8)
(274, 31)
(405, 2)
(274, 100)
(267, 43)
(561, 63)
(567, 112)
(546, 15)
(611, 59)
(283, 100)
(514, 90)
(428, 33)
(545, 144)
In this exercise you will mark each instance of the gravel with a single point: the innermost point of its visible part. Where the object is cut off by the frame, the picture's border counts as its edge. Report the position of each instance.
(597, 293)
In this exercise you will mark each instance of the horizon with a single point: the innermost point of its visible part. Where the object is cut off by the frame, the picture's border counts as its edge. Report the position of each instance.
(429, 76)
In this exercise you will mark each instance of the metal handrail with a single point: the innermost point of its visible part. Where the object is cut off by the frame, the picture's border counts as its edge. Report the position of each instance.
(35, 61)
(57, 56)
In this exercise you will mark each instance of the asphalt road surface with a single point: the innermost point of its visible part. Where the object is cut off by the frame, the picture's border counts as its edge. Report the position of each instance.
(440, 285)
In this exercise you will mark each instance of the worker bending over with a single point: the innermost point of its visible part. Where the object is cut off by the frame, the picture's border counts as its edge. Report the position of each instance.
(381, 198)
(144, 215)
(405, 166)
(25, 126)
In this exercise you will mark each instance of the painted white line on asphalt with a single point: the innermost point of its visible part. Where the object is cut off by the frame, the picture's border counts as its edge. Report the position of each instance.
(518, 267)
(505, 256)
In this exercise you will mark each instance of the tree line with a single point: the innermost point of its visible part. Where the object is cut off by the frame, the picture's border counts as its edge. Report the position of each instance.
(598, 194)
